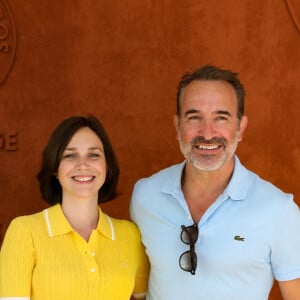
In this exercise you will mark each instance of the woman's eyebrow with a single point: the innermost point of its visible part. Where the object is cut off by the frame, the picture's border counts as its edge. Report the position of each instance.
(90, 148)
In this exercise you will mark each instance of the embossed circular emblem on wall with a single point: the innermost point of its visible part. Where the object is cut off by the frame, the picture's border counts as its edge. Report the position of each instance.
(294, 10)
(7, 41)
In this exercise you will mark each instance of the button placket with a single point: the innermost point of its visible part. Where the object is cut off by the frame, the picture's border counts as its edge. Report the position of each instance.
(88, 256)
(89, 259)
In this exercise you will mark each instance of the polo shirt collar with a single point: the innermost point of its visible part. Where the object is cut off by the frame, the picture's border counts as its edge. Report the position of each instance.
(105, 225)
(239, 183)
(236, 189)
(173, 182)
(57, 224)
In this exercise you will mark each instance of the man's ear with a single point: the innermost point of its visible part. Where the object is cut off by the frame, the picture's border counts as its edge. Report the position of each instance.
(176, 124)
(175, 121)
(243, 125)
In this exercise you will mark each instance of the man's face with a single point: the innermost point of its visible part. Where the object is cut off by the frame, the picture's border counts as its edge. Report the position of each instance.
(208, 128)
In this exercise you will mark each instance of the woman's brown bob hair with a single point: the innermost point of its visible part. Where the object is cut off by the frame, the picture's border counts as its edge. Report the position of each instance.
(50, 187)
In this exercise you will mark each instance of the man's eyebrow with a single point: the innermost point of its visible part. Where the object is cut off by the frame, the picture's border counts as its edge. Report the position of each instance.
(191, 111)
(223, 112)
(218, 112)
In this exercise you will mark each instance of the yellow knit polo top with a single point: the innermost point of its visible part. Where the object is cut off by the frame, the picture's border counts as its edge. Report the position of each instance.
(43, 258)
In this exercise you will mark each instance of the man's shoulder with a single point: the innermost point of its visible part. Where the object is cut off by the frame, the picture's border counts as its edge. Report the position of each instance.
(267, 187)
(258, 185)
(161, 176)
(149, 192)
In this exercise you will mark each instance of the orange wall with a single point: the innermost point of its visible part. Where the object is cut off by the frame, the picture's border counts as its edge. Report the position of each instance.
(121, 61)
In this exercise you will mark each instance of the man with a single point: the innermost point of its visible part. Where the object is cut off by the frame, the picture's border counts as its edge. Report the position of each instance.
(212, 229)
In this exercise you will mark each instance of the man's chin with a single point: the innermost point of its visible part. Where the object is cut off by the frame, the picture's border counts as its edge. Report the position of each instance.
(207, 163)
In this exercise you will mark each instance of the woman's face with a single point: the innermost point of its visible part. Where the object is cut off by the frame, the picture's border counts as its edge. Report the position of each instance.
(82, 169)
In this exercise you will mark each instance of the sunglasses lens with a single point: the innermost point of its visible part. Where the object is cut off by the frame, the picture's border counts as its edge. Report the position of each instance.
(188, 261)
(189, 235)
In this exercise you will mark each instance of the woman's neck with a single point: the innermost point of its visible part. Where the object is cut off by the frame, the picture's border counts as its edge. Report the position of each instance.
(82, 216)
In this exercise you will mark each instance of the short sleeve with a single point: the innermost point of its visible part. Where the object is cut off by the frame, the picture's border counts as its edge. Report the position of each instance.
(141, 281)
(285, 255)
(16, 261)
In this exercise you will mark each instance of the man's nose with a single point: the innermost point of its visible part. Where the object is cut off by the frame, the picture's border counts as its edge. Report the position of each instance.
(207, 130)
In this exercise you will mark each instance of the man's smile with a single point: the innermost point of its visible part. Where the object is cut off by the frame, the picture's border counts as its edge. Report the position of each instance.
(208, 146)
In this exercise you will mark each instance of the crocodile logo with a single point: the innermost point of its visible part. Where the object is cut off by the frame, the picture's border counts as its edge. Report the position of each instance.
(239, 238)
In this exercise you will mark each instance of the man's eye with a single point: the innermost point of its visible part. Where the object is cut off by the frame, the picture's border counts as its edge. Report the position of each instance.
(221, 118)
(193, 118)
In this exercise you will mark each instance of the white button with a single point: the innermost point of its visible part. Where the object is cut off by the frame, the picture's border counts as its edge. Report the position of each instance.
(93, 254)
(92, 270)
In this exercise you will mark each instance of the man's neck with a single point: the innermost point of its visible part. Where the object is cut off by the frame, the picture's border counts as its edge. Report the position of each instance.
(202, 188)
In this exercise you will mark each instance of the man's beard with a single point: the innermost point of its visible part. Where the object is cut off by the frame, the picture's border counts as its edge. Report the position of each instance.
(209, 162)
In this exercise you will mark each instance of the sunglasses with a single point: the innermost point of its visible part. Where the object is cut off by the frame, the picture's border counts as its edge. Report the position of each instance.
(188, 259)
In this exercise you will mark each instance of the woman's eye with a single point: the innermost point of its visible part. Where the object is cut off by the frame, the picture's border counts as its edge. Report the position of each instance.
(94, 155)
(70, 155)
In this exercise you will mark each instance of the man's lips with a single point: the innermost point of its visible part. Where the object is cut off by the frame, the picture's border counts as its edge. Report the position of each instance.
(208, 146)
(212, 144)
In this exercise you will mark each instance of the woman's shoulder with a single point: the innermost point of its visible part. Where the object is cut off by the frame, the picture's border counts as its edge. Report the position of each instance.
(125, 226)
(123, 222)
(28, 220)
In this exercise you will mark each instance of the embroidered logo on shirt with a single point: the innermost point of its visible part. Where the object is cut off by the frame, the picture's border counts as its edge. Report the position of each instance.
(239, 238)
(124, 264)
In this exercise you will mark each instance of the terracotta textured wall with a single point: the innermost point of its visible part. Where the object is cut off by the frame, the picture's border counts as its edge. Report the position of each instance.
(121, 61)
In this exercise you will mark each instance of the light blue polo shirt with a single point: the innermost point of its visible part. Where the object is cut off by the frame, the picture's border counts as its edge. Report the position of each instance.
(266, 220)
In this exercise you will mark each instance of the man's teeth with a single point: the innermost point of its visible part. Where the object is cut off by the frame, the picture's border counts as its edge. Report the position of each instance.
(208, 147)
(85, 178)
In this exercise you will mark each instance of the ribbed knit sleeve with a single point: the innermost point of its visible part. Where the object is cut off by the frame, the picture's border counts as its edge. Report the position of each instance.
(17, 259)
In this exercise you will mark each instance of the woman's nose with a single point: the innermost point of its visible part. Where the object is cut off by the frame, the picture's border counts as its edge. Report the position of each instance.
(81, 163)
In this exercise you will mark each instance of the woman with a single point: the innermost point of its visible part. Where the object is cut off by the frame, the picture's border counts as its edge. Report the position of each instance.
(73, 250)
